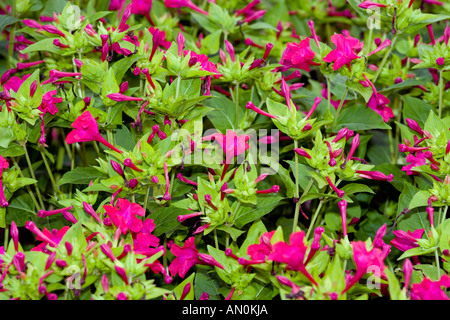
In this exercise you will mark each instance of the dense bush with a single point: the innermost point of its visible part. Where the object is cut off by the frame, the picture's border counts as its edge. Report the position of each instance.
(225, 149)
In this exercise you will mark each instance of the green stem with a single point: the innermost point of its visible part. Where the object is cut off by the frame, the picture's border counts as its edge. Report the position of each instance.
(386, 55)
(316, 213)
(216, 241)
(338, 111)
(36, 204)
(444, 215)
(97, 150)
(298, 204)
(436, 256)
(178, 87)
(38, 192)
(441, 93)
(50, 173)
(314, 217)
(328, 93)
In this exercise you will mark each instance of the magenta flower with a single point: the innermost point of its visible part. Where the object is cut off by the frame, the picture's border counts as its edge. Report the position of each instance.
(379, 102)
(144, 239)
(363, 260)
(121, 97)
(51, 238)
(293, 254)
(86, 129)
(415, 161)
(48, 105)
(232, 144)
(370, 4)
(124, 215)
(184, 3)
(430, 290)
(298, 55)
(406, 240)
(142, 7)
(259, 252)
(345, 52)
(188, 256)
(203, 59)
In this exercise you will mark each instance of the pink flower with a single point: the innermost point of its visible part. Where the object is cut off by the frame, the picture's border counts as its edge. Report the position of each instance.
(51, 238)
(298, 55)
(232, 144)
(124, 215)
(406, 240)
(293, 254)
(345, 52)
(86, 129)
(370, 4)
(379, 102)
(363, 260)
(415, 161)
(184, 3)
(430, 290)
(188, 256)
(145, 239)
(263, 249)
(205, 64)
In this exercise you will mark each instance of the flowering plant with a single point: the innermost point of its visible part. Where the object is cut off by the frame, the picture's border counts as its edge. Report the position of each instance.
(136, 160)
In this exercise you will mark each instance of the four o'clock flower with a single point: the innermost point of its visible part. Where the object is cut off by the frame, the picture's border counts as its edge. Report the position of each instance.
(363, 260)
(379, 102)
(431, 290)
(124, 215)
(86, 129)
(184, 3)
(406, 240)
(346, 51)
(298, 55)
(292, 254)
(188, 256)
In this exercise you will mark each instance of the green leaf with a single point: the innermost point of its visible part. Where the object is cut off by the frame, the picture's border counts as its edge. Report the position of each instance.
(42, 45)
(415, 252)
(81, 175)
(402, 85)
(420, 199)
(166, 220)
(178, 291)
(416, 109)
(395, 291)
(248, 214)
(6, 20)
(360, 117)
(204, 283)
(122, 66)
(286, 178)
(20, 210)
(74, 236)
(352, 188)
(223, 117)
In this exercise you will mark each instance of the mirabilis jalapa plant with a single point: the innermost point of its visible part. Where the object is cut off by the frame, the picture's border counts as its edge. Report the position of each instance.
(127, 150)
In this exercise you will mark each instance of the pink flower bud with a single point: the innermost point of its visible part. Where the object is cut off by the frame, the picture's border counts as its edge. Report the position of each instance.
(60, 263)
(69, 248)
(440, 61)
(15, 235)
